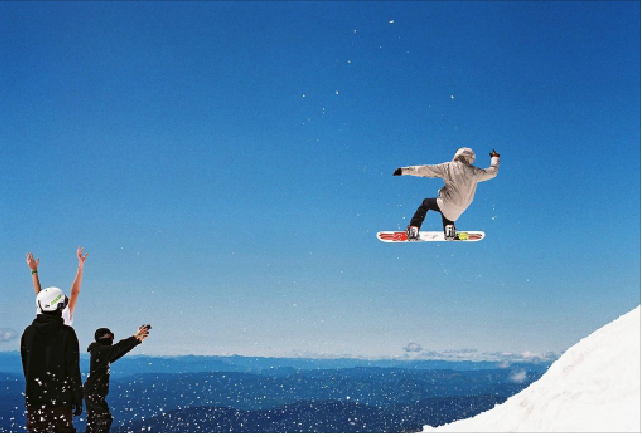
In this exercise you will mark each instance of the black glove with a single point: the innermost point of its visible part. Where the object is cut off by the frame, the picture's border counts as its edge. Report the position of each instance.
(397, 172)
(493, 154)
(78, 409)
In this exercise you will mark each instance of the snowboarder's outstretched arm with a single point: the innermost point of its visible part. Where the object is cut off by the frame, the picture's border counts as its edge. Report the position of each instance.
(119, 349)
(483, 174)
(429, 171)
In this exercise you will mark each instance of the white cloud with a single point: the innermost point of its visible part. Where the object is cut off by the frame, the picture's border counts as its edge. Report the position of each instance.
(518, 377)
(6, 335)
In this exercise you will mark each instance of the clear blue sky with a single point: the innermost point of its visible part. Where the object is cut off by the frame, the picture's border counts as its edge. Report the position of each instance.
(227, 165)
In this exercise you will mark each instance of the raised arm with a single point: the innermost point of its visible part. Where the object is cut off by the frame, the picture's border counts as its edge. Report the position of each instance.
(75, 287)
(125, 345)
(483, 174)
(429, 171)
(33, 265)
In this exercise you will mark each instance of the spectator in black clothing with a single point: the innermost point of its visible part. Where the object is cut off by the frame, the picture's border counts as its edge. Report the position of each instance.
(103, 353)
(51, 366)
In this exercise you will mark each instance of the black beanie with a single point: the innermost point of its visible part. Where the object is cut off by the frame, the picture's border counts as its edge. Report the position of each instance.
(102, 332)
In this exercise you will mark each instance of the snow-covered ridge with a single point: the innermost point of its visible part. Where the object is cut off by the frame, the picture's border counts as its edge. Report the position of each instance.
(593, 387)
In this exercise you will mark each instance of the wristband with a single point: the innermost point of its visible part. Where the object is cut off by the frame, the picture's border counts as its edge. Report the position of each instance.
(34, 272)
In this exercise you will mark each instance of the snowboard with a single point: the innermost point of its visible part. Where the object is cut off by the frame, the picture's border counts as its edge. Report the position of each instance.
(401, 237)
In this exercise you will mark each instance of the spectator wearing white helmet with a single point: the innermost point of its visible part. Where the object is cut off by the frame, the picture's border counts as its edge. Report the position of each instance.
(68, 312)
(460, 182)
(51, 367)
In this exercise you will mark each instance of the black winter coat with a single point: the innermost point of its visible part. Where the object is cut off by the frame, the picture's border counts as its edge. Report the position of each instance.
(51, 363)
(102, 355)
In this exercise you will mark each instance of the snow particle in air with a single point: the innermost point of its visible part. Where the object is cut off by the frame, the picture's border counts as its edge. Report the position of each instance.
(349, 61)
(391, 21)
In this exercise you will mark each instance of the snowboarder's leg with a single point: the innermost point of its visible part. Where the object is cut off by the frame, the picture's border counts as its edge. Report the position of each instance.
(429, 204)
(449, 228)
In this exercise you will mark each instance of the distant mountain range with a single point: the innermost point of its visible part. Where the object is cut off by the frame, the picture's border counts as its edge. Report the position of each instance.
(239, 394)
(10, 362)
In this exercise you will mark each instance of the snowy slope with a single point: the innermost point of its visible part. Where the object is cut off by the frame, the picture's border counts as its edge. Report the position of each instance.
(593, 386)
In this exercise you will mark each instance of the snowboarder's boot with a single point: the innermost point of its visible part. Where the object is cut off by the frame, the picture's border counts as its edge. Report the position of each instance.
(449, 232)
(412, 232)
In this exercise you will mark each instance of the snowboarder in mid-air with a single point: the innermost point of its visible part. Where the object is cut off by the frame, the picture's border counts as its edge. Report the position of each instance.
(460, 182)
(104, 352)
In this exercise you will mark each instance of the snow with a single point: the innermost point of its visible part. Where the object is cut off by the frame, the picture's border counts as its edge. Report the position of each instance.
(593, 387)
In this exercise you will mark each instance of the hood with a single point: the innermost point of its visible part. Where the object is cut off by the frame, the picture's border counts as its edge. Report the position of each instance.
(465, 153)
(47, 323)
(96, 345)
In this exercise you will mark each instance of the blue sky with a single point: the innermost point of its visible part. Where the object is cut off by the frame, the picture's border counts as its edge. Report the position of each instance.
(227, 165)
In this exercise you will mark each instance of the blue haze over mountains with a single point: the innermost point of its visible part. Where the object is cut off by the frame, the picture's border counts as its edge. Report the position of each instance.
(255, 394)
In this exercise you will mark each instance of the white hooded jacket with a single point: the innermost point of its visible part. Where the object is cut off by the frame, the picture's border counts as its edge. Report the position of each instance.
(460, 183)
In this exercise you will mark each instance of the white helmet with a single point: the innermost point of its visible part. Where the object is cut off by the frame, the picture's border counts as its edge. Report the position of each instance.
(51, 299)
(466, 154)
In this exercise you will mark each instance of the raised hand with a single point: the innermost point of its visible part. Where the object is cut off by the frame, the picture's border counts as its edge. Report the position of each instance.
(33, 264)
(143, 332)
(81, 258)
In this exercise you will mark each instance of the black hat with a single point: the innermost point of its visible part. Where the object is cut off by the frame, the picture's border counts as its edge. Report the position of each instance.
(104, 335)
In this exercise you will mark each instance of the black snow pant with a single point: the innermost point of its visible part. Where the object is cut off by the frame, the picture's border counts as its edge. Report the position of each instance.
(429, 204)
(99, 417)
(49, 419)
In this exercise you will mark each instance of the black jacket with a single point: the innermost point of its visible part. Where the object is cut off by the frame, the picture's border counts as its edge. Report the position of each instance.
(51, 363)
(102, 355)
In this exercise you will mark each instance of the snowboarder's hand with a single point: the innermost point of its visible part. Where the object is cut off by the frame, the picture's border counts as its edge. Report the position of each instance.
(494, 154)
(78, 409)
(81, 258)
(33, 265)
(397, 172)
